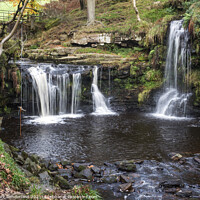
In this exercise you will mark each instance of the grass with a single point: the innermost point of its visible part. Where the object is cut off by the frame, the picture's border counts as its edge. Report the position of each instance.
(10, 174)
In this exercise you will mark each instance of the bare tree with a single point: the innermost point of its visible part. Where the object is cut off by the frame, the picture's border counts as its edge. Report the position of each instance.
(136, 10)
(20, 11)
(91, 11)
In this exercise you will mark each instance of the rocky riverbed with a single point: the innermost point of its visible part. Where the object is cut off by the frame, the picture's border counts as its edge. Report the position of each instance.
(178, 178)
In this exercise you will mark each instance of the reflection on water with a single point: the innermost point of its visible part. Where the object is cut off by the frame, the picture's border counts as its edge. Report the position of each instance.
(105, 138)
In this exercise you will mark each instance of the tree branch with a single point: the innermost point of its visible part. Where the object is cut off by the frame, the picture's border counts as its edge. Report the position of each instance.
(14, 28)
(136, 10)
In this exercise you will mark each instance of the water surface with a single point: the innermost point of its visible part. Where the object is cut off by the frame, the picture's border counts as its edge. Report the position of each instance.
(100, 139)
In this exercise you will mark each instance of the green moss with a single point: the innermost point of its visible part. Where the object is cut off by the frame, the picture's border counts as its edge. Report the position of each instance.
(133, 70)
(143, 96)
(195, 82)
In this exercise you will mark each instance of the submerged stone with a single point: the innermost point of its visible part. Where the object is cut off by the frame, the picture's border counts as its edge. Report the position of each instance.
(128, 166)
(126, 179)
(110, 179)
(172, 183)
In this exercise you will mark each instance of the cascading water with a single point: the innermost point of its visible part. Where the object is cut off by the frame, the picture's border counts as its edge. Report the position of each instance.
(50, 90)
(177, 70)
(99, 101)
(76, 92)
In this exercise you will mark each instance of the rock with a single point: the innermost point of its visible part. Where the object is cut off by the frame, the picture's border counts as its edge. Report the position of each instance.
(63, 183)
(80, 166)
(7, 149)
(24, 155)
(171, 190)
(13, 149)
(172, 183)
(126, 179)
(45, 163)
(63, 37)
(53, 167)
(175, 156)
(35, 158)
(65, 173)
(56, 42)
(34, 168)
(44, 177)
(109, 171)
(20, 160)
(184, 193)
(64, 163)
(87, 173)
(27, 162)
(96, 170)
(128, 166)
(126, 187)
(197, 160)
(110, 179)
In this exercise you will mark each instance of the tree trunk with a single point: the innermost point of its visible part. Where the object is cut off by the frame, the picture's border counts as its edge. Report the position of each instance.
(14, 28)
(91, 11)
(136, 10)
(82, 4)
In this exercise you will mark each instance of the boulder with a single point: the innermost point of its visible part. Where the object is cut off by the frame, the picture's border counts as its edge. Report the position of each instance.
(126, 179)
(184, 193)
(20, 160)
(80, 166)
(197, 160)
(34, 168)
(126, 187)
(24, 155)
(53, 167)
(63, 183)
(96, 170)
(175, 156)
(65, 163)
(172, 183)
(87, 173)
(44, 177)
(65, 173)
(110, 179)
(128, 166)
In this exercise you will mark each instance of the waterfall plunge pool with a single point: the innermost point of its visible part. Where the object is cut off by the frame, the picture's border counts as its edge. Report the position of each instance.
(100, 139)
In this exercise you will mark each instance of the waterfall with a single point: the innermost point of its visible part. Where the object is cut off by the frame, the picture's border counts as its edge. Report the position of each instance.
(41, 87)
(76, 92)
(51, 89)
(176, 91)
(99, 101)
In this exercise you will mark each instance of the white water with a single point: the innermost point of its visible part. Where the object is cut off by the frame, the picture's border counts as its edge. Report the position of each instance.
(173, 102)
(51, 89)
(76, 92)
(99, 101)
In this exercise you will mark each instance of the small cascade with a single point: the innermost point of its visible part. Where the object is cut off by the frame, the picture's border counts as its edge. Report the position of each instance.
(177, 70)
(99, 101)
(50, 90)
(76, 92)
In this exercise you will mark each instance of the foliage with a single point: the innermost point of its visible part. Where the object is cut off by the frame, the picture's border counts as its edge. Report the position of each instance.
(85, 192)
(33, 4)
(10, 173)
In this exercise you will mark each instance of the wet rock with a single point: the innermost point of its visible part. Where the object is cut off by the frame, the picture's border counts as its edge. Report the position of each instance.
(45, 163)
(126, 187)
(20, 160)
(197, 160)
(44, 177)
(13, 149)
(53, 167)
(172, 183)
(80, 166)
(63, 183)
(110, 179)
(87, 173)
(96, 170)
(175, 156)
(126, 179)
(184, 193)
(128, 166)
(64, 163)
(109, 171)
(27, 162)
(171, 190)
